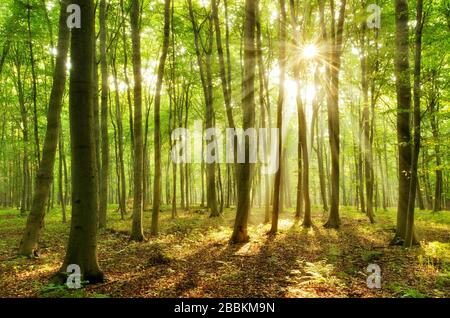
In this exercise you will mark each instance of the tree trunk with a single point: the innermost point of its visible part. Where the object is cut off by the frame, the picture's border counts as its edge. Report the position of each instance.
(34, 90)
(137, 231)
(205, 69)
(403, 86)
(367, 145)
(437, 204)
(303, 156)
(62, 198)
(82, 245)
(223, 76)
(322, 173)
(125, 72)
(245, 170)
(121, 163)
(104, 173)
(282, 63)
(410, 235)
(29, 242)
(157, 133)
(333, 112)
(264, 106)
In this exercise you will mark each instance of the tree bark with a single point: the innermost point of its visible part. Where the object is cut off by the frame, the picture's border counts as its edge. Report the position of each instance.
(367, 145)
(104, 172)
(303, 156)
(410, 235)
(403, 87)
(121, 163)
(438, 187)
(245, 170)
(29, 243)
(333, 111)
(265, 107)
(205, 69)
(157, 133)
(280, 104)
(82, 245)
(137, 231)
(34, 90)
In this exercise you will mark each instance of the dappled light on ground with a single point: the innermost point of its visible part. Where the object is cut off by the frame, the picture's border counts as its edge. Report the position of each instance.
(193, 258)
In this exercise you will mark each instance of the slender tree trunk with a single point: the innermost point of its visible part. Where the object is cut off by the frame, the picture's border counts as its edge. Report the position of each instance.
(62, 198)
(386, 167)
(186, 168)
(410, 235)
(419, 195)
(264, 106)
(172, 121)
(205, 69)
(226, 88)
(104, 173)
(211, 194)
(362, 198)
(333, 112)
(34, 90)
(403, 85)
(157, 133)
(30, 238)
(96, 116)
(24, 121)
(282, 57)
(367, 145)
(202, 175)
(320, 163)
(137, 231)
(438, 187)
(303, 169)
(125, 72)
(123, 187)
(245, 170)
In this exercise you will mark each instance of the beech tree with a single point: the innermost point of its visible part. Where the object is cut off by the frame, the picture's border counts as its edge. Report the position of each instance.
(29, 243)
(349, 123)
(82, 244)
(280, 103)
(157, 134)
(245, 170)
(137, 232)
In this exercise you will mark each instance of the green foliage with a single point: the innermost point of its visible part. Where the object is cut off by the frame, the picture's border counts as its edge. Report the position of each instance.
(412, 293)
(406, 292)
(443, 281)
(196, 257)
(370, 256)
(62, 291)
(334, 253)
(436, 254)
(335, 257)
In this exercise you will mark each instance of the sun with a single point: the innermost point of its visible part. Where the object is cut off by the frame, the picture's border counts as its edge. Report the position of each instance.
(309, 51)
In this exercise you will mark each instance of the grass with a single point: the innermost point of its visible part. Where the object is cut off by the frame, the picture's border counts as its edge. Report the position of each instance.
(192, 257)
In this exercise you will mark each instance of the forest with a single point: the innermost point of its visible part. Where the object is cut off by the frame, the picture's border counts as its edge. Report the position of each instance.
(224, 148)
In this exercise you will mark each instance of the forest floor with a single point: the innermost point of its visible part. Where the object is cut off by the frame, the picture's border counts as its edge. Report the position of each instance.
(192, 258)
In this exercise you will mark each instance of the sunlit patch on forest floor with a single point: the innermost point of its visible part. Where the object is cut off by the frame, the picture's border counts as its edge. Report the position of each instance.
(192, 258)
